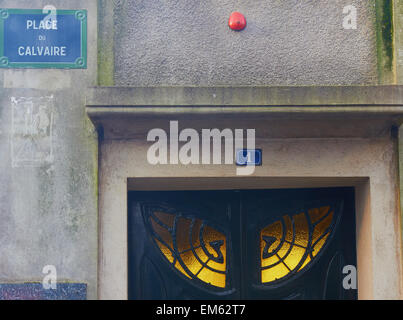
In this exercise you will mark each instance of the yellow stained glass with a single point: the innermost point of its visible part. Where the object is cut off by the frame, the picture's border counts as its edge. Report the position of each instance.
(270, 261)
(289, 228)
(202, 256)
(208, 264)
(163, 233)
(182, 238)
(179, 267)
(301, 230)
(216, 265)
(321, 227)
(165, 251)
(279, 259)
(286, 245)
(295, 256)
(213, 278)
(284, 250)
(317, 213)
(307, 260)
(165, 218)
(191, 262)
(319, 245)
(196, 232)
(274, 230)
(277, 272)
(210, 236)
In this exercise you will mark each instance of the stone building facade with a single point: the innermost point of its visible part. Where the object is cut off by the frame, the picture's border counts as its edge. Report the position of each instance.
(326, 103)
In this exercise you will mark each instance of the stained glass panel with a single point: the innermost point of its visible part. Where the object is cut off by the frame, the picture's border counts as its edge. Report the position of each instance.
(287, 246)
(193, 247)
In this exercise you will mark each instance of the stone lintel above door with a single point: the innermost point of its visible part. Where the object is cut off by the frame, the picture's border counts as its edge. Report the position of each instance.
(275, 112)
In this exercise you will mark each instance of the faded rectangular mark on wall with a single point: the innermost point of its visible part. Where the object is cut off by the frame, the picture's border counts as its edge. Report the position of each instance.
(32, 122)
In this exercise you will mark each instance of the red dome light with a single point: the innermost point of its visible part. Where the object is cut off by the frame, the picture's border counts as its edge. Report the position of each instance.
(237, 21)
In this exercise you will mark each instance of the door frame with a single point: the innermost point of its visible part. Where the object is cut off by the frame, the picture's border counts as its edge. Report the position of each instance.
(310, 137)
(113, 276)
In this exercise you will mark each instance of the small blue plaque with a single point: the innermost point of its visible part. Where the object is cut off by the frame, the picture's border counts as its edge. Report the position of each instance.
(35, 291)
(247, 157)
(41, 39)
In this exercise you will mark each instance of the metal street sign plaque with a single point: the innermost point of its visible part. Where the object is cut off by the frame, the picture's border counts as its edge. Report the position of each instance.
(43, 38)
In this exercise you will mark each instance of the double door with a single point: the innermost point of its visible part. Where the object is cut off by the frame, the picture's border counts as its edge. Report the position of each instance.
(246, 244)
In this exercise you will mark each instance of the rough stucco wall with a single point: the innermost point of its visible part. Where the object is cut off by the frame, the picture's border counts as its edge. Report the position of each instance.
(48, 203)
(171, 42)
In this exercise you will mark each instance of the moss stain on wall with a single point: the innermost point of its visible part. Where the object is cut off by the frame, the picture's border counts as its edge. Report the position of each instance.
(105, 43)
(385, 43)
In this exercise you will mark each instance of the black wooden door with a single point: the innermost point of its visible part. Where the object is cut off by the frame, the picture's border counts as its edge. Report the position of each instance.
(182, 245)
(306, 238)
(254, 244)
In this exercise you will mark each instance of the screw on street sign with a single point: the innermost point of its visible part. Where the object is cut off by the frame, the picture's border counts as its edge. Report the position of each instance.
(43, 38)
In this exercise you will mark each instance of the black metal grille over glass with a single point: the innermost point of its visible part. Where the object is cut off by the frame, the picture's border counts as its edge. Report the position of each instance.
(191, 245)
